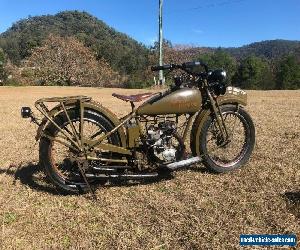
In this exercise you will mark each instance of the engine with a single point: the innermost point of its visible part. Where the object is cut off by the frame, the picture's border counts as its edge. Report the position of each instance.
(163, 142)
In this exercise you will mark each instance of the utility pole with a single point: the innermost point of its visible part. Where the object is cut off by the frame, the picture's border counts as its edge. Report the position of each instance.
(160, 38)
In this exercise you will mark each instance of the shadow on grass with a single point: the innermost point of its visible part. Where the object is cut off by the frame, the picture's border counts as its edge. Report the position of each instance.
(33, 176)
(117, 182)
(293, 202)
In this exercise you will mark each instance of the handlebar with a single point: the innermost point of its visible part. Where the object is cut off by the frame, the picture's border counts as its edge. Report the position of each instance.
(163, 67)
(185, 66)
(189, 65)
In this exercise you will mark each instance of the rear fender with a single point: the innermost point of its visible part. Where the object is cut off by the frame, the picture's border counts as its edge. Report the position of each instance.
(233, 96)
(89, 105)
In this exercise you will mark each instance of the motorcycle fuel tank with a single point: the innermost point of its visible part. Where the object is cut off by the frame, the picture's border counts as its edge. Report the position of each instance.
(181, 101)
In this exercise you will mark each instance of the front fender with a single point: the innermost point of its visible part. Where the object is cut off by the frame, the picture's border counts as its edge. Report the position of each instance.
(90, 105)
(233, 95)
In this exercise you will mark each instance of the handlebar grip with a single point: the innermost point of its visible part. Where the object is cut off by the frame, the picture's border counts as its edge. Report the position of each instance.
(163, 67)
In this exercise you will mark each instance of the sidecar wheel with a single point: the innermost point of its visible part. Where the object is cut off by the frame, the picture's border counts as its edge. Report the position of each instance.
(59, 167)
(224, 158)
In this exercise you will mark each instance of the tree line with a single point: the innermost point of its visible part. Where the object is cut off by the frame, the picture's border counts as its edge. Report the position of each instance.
(75, 48)
(253, 72)
(67, 61)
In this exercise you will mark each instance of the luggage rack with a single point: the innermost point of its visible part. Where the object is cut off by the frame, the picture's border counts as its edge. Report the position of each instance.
(62, 106)
(64, 99)
(41, 106)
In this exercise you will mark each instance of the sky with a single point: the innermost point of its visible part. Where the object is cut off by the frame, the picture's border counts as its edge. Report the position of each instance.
(214, 23)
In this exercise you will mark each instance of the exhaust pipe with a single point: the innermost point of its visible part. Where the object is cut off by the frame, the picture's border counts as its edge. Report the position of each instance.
(123, 176)
(109, 168)
(184, 163)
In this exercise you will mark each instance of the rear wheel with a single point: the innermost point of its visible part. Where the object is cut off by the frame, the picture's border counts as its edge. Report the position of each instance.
(60, 161)
(222, 157)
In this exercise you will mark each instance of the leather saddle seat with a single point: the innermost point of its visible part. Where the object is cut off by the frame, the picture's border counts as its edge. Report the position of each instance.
(134, 98)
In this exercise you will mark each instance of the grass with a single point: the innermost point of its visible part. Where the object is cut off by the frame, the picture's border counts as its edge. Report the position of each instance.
(193, 210)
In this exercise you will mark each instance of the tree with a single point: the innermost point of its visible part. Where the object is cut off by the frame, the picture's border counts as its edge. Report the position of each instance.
(220, 59)
(2, 61)
(9, 73)
(66, 61)
(288, 73)
(12, 75)
(254, 73)
(297, 54)
(177, 53)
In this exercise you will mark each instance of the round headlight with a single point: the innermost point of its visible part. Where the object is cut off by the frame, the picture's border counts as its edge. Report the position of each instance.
(224, 74)
(218, 75)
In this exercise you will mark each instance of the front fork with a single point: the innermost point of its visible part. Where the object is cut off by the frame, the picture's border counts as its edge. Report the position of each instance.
(219, 117)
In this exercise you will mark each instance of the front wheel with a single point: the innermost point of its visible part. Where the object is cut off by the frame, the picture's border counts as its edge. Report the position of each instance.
(222, 157)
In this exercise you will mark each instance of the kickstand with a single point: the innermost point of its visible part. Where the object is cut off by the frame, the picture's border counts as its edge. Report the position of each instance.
(81, 169)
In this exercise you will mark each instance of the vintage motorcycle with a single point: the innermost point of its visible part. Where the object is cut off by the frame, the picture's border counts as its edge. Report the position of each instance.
(83, 143)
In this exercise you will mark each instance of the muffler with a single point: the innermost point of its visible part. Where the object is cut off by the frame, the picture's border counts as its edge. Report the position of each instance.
(184, 163)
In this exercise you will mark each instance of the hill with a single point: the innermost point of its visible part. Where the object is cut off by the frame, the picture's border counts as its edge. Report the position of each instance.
(270, 49)
(123, 53)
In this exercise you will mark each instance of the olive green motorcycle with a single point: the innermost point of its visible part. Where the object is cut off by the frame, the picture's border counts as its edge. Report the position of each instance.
(83, 143)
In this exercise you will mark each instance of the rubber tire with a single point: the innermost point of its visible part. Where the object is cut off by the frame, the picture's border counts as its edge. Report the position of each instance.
(45, 148)
(211, 165)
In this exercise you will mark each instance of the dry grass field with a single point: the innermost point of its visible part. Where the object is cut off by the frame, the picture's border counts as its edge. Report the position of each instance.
(194, 210)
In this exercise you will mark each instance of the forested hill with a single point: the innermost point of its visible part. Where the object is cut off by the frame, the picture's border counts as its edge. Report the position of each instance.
(122, 52)
(270, 49)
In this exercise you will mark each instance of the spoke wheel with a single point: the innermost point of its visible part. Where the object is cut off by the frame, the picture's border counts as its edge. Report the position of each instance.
(61, 160)
(223, 156)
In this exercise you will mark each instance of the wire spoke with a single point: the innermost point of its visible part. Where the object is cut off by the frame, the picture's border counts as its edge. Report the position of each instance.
(221, 152)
